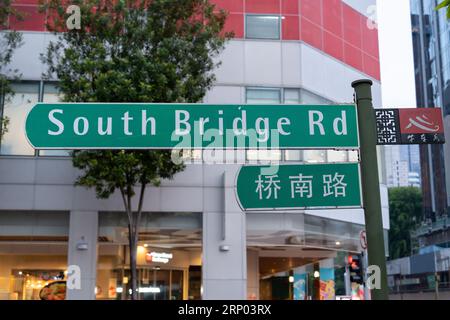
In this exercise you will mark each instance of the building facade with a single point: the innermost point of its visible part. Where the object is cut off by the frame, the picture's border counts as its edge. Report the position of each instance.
(431, 40)
(195, 242)
(402, 166)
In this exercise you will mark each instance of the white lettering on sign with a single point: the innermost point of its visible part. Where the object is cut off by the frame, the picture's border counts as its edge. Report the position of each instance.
(281, 123)
(263, 129)
(242, 121)
(76, 126)
(301, 186)
(184, 122)
(334, 185)
(239, 125)
(145, 122)
(316, 119)
(108, 130)
(268, 187)
(316, 122)
(59, 124)
(161, 257)
(340, 125)
(126, 124)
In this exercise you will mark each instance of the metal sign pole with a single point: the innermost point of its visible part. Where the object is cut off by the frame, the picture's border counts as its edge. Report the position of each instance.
(371, 184)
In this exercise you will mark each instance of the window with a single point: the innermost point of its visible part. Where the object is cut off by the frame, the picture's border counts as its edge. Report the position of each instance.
(263, 96)
(307, 97)
(16, 109)
(291, 96)
(262, 27)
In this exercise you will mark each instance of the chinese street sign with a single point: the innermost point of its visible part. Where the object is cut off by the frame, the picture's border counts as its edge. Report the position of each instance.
(409, 126)
(299, 186)
(185, 126)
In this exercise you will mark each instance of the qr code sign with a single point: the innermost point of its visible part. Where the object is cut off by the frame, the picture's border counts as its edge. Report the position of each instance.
(388, 130)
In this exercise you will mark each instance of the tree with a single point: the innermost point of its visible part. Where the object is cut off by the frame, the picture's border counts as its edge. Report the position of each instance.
(10, 40)
(405, 209)
(133, 51)
(445, 4)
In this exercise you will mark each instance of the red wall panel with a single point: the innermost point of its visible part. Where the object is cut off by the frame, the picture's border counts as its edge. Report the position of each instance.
(35, 2)
(235, 23)
(236, 6)
(353, 56)
(311, 33)
(32, 20)
(371, 66)
(262, 6)
(333, 45)
(369, 39)
(352, 26)
(332, 16)
(328, 25)
(311, 10)
(290, 28)
(289, 7)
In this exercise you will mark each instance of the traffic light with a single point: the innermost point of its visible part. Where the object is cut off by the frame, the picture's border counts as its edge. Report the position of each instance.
(355, 269)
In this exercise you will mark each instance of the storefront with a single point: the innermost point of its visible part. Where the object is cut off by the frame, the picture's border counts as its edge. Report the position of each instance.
(289, 256)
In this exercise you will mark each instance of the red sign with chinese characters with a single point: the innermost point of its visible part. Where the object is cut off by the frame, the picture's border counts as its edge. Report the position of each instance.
(410, 126)
(421, 121)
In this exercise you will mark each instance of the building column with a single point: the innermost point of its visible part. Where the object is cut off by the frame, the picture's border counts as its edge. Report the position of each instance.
(224, 265)
(82, 255)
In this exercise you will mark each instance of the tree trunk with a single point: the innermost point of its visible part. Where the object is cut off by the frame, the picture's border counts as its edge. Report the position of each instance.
(133, 263)
(133, 236)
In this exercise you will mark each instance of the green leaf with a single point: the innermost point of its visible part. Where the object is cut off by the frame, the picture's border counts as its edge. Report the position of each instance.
(443, 4)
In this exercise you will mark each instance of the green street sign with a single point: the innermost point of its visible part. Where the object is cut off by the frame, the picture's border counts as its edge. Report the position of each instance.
(299, 186)
(186, 126)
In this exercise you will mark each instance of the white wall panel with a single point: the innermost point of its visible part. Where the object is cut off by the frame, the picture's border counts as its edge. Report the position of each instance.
(231, 69)
(225, 95)
(291, 66)
(331, 78)
(263, 63)
(27, 58)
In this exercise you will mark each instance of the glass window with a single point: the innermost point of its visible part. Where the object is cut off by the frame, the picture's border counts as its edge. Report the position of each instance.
(262, 27)
(307, 97)
(291, 96)
(263, 96)
(160, 233)
(33, 251)
(16, 109)
(51, 95)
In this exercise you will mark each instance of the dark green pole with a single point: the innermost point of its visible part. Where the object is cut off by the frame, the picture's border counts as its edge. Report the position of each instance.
(371, 184)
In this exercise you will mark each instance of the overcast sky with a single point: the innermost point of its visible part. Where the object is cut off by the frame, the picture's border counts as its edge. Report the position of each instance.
(396, 54)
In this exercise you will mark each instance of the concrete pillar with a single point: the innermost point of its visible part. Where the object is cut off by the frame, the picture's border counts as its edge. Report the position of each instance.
(224, 265)
(82, 253)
